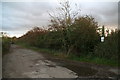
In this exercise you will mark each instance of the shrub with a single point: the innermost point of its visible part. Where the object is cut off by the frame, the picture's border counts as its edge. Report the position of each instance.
(109, 48)
(5, 45)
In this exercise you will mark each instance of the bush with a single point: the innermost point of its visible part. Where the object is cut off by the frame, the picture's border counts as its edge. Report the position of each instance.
(5, 45)
(109, 48)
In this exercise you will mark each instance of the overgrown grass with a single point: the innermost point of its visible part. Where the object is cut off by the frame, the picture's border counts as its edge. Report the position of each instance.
(96, 60)
(37, 49)
(88, 58)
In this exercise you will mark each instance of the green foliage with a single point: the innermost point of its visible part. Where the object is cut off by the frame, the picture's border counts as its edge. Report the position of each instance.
(73, 34)
(84, 34)
(94, 59)
(109, 48)
(79, 38)
(5, 45)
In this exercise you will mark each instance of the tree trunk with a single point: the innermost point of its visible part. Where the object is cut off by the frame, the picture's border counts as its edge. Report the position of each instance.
(70, 49)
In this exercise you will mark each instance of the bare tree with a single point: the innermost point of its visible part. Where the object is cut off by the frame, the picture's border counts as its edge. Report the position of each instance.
(63, 21)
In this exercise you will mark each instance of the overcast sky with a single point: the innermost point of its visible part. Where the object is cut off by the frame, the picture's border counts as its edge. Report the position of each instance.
(19, 17)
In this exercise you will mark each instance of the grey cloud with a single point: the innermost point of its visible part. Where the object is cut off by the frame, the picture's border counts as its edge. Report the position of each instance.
(106, 13)
(22, 16)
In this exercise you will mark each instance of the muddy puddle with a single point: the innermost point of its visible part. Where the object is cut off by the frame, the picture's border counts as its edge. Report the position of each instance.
(79, 69)
(82, 69)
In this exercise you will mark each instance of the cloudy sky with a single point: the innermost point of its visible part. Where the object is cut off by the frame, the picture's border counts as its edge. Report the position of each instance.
(16, 18)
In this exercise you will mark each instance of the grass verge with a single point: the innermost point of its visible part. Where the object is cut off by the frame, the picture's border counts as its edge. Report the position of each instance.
(88, 58)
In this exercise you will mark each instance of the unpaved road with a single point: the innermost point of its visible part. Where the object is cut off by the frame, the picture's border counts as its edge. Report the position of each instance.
(24, 63)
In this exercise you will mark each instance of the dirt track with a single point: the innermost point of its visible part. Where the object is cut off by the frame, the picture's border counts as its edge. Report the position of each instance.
(25, 63)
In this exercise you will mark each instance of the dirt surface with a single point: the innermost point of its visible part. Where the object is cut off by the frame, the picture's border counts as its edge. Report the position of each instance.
(25, 63)
(85, 69)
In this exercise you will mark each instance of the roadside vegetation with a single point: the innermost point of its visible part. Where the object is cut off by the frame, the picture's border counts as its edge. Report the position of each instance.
(5, 44)
(74, 37)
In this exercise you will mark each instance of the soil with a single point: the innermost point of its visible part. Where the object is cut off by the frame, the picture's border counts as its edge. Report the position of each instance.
(25, 63)
(85, 69)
